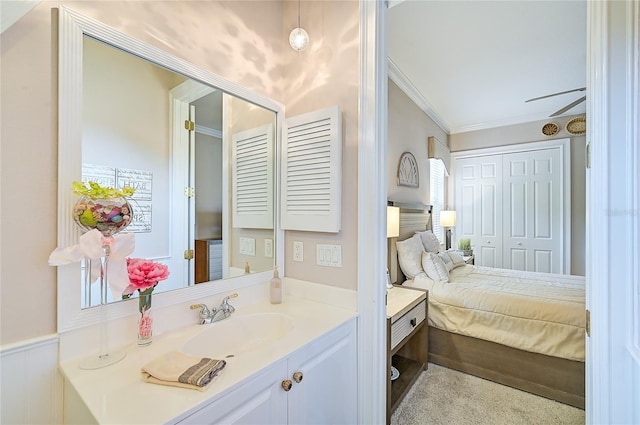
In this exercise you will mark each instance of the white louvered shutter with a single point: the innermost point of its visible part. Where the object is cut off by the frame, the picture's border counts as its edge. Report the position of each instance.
(253, 178)
(312, 172)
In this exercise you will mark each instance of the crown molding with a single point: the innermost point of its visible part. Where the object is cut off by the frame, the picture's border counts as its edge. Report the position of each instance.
(401, 80)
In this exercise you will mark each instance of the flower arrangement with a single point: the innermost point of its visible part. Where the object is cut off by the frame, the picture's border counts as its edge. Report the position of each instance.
(102, 208)
(144, 275)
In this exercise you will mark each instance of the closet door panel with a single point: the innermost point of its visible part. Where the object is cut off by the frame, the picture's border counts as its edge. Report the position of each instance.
(478, 194)
(533, 211)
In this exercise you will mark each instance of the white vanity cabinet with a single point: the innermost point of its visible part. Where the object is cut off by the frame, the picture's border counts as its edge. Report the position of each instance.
(326, 391)
(260, 400)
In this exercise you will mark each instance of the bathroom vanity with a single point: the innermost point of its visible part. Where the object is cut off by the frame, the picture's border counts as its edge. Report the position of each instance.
(302, 371)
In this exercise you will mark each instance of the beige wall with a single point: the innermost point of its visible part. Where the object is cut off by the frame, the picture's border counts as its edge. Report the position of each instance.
(408, 129)
(325, 74)
(204, 33)
(532, 132)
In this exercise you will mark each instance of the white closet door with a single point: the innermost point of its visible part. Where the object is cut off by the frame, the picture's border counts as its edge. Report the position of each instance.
(532, 211)
(478, 200)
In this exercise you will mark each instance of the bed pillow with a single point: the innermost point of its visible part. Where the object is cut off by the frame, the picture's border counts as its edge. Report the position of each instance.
(446, 259)
(434, 267)
(429, 241)
(410, 256)
(456, 259)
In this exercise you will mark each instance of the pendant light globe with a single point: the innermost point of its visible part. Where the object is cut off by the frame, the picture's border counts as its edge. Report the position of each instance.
(298, 39)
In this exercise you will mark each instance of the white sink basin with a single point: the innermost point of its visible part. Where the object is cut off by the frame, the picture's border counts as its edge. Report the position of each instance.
(237, 335)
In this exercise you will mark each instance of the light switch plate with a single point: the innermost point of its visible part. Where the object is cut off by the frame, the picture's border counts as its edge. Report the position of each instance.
(298, 251)
(329, 255)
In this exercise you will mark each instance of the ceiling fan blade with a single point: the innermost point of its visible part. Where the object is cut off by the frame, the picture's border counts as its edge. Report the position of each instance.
(569, 106)
(555, 94)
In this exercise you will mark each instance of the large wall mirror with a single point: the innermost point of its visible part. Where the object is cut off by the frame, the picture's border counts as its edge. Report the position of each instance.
(199, 150)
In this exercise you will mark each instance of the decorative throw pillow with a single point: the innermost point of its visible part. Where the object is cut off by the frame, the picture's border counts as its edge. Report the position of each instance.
(444, 256)
(434, 267)
(456, 259)
(410, 256)
(429, 241)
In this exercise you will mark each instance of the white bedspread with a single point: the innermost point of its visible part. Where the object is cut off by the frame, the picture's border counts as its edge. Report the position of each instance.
(538, 312)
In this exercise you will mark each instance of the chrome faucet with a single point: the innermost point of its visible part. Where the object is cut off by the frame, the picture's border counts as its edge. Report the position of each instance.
(215, 315)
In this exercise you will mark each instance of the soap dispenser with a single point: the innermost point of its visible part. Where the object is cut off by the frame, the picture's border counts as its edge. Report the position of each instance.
(275, 294)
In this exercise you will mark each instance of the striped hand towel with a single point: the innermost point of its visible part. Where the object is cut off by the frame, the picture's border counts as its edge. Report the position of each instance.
(178, 369)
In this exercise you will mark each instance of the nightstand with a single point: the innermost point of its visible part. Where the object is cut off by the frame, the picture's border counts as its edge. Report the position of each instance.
(469, 259)
(407, 341)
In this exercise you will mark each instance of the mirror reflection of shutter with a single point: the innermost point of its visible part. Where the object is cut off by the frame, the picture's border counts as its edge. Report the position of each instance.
(252, 178)
(312, 172)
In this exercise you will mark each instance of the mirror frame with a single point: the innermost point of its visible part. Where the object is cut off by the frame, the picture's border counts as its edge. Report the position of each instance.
(69, 28)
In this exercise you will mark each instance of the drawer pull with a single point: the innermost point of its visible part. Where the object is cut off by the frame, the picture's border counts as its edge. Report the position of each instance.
(414, 322)
(297, 377)
(286, 384)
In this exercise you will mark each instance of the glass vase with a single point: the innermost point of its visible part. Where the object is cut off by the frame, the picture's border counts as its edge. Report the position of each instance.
(109, 215)
(145, 320)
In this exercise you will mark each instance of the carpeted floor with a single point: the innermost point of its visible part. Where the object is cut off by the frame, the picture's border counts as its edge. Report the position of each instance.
(447, 397)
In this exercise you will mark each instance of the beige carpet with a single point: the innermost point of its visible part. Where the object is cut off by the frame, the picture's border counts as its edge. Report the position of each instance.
(444, 396)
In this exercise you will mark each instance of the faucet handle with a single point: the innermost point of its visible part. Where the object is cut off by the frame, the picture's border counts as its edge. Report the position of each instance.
(204, 310)
(229, 296)
(225, 306)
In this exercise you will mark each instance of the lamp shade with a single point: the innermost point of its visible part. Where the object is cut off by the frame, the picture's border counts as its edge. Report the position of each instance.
(393, 222)
(447, 218)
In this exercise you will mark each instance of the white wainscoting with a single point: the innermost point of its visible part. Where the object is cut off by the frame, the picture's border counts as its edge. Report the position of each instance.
(31, 386)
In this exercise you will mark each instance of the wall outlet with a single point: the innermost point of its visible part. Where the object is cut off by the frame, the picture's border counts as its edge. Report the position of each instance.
(329, 255)
(298, 251)
(248, 246)
(268, 248)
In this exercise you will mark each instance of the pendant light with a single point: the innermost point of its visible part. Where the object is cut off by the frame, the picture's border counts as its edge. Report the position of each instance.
(298, 39)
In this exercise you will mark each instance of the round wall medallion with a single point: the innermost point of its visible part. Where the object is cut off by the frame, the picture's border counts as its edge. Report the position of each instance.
(577, 126)
(550, 129)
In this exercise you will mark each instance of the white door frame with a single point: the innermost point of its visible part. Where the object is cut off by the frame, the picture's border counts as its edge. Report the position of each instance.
(372, 210)
(182, 238)
(613, 219)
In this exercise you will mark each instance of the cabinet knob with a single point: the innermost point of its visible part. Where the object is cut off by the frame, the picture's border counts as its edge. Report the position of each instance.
(520, 243)
(297, 377)
(414, 322)
(286, 384)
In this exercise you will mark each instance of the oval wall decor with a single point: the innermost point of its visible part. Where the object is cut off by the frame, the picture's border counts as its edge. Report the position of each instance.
(408, 170)
(577, 126)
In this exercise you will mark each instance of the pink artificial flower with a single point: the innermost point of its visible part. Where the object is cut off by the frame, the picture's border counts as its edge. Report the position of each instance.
(144, 274)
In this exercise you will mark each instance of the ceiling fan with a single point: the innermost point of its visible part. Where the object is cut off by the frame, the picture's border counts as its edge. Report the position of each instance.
(566, 108)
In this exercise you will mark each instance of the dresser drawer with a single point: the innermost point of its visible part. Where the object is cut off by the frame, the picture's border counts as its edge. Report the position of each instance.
(405, 324)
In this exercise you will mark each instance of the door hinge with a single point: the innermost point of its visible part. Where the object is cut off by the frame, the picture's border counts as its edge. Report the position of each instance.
(189, 192)
(587, 159)
(189, 125)
(587, 322)
(188, 254)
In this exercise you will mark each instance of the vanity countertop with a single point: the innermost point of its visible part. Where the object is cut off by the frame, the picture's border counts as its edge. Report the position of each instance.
(117, 394)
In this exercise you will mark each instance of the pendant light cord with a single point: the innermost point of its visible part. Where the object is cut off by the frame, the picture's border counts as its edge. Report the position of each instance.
(298, 13)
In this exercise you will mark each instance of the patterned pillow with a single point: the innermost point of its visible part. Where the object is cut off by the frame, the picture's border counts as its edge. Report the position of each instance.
(410, 256)
(444, 256)
(429, 241)
(434, 267)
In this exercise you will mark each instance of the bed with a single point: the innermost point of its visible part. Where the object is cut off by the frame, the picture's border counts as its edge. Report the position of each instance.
(521, 329)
